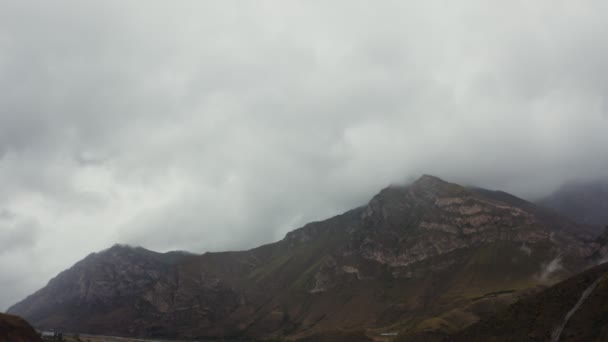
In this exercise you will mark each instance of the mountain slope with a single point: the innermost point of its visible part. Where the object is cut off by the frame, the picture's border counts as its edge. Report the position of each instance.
(540, 317)
(429, 256)
(100, 291)
(582, 202)
(15, 329)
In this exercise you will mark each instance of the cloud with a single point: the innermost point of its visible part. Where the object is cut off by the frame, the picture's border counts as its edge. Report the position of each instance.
(550, 268)
(223, 125)
(17, 234)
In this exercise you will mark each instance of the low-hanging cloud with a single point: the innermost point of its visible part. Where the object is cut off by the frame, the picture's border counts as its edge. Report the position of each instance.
(222, 125)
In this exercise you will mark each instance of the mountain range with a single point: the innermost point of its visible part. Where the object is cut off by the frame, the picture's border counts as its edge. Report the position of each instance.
(420, 261)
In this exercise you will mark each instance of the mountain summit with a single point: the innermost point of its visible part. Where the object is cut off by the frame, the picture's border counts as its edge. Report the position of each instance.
(431, 256)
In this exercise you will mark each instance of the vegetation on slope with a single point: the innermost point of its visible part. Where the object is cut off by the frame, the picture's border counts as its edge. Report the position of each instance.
(535, 318)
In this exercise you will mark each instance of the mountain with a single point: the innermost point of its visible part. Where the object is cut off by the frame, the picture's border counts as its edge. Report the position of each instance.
(85, 297)
(582, 202)
(573, 310)
(424, 258)
(15, 329)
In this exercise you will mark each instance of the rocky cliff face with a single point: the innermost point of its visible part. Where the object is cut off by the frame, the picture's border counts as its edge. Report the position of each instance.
(403, 226)
(427, 256)
(128, 290)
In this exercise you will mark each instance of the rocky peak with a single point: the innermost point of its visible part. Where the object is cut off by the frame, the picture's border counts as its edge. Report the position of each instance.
(433, 217)
(119, 255)
(394, 205)
(120, 252)
(123, 249)
(102, 279)
(427, 187)
(119, 247)
(432, 187)
(429, 181)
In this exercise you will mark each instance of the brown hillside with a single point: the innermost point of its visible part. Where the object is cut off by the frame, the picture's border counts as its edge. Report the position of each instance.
(16, 329)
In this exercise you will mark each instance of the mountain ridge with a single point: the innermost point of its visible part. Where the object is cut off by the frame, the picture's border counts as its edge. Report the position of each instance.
(406, 261)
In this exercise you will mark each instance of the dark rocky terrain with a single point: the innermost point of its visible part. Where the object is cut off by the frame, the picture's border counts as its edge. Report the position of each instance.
(16, 329)
(540, 317)
(424, 259)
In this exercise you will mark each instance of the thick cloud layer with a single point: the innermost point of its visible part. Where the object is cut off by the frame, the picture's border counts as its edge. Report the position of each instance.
(222, 125)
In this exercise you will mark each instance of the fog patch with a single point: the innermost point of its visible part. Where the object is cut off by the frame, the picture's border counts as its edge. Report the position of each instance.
(524, 248)
(550, 268)
(17, 235)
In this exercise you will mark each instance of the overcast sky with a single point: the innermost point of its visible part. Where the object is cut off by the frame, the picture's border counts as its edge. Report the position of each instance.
(214, 125)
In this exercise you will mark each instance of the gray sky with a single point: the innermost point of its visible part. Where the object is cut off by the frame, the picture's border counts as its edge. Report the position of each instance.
(214, 125)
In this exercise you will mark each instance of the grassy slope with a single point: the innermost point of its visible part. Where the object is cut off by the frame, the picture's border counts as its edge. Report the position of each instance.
(482, 281)
(535, 317)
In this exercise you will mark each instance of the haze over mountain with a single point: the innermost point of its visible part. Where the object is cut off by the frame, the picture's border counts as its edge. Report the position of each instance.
(430, 256)
(222, 125)
(585, 202)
